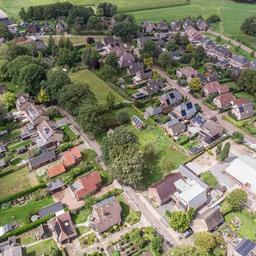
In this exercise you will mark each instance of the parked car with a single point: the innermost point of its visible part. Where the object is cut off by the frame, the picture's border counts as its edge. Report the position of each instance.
(188, 233)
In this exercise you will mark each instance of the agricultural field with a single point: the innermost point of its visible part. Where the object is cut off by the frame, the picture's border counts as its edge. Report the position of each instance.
(97, 86)
(232, 16)
(13, 7)
(15, 182)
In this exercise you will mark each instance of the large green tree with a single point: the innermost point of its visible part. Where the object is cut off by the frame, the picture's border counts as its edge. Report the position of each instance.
(106, 9)
(4, 32)
(125, 29)
(31, 76)
(249, 26)
(72, 96)
(89, 117)
(55, 81)
(180, 220)
(237, 199)
(247, 81)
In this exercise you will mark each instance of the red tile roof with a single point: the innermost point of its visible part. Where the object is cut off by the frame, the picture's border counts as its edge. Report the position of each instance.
(71, 157)
(56, 170)
(240, 102)
(87, 185)
(226, 99)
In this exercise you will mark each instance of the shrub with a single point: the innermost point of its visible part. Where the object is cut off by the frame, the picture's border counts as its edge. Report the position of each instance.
(123, 118)
(209, 179)
(238, 137)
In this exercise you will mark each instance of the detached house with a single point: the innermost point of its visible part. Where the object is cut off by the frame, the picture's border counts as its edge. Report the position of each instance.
(40, 160)
(211, 131)
(63, 228)
(162, 26)
(71, 157)
(153, 87)
(162, 191)
(175, 127)
(186, 72)
(22, 102)
(214, 88)
(106, 214)
(208, 221)
(126, 60)
(193, 34)
(49, 136)
(201, 24)
(35, 114)
(135, 67)
(242, 109)
(148, 26)
(185, 111)
(86, 185)
(142, 76)
(224, 101)
(170, 98)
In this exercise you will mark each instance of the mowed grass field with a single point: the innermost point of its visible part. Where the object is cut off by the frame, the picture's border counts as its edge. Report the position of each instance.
(14, 183)
(97, 86)
(232, 16)
(12, 7)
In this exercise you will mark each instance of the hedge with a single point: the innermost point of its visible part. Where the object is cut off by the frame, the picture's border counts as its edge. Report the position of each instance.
(25, 228)
(22, 193)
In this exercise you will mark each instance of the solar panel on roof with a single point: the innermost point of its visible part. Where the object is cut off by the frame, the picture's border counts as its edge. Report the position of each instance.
(171, 95)
(183, 112)
(189, 105)
(137, 122)
(241, 109)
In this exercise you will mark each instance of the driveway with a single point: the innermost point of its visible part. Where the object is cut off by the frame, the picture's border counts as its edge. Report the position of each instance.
(217, 171)
(66, 197)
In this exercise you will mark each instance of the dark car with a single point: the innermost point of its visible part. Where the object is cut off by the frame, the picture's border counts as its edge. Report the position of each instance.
(188, 233)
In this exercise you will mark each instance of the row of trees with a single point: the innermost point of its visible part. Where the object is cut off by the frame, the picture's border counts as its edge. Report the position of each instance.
(65, 9)
(205, 244)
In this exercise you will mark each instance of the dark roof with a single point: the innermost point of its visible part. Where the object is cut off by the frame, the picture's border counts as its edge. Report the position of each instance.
(51, 209)
(212, 217)
(165, 187)
(56, 184)
(42, 158)
(245, 247)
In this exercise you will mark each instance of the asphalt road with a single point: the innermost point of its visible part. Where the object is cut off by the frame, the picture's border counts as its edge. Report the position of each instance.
(209, 113)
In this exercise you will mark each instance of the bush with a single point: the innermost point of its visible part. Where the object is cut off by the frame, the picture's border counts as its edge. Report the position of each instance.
(25, 228)
(22, 193)
(209, 179)
(123, 118)
(238, 137)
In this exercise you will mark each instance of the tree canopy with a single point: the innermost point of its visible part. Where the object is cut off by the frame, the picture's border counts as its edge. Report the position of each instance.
(72, 96)
(106, 9)
(249, 26)
(237, 199)
(247, 81)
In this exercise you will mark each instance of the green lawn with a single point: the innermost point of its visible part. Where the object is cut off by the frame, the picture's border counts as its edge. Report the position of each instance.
(43, 248)
(12, 7)
(82, 216)
(97, 86)
(71, 136)
(248, 224)
(14, 182)
(232, 15)
(14, 145)
(168, 154)
(233, 86)
(22, 214)
(245, 95)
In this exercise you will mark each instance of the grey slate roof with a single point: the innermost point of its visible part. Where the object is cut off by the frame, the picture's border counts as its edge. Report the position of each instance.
(42, 158)
(51, 209)
(56, 184)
